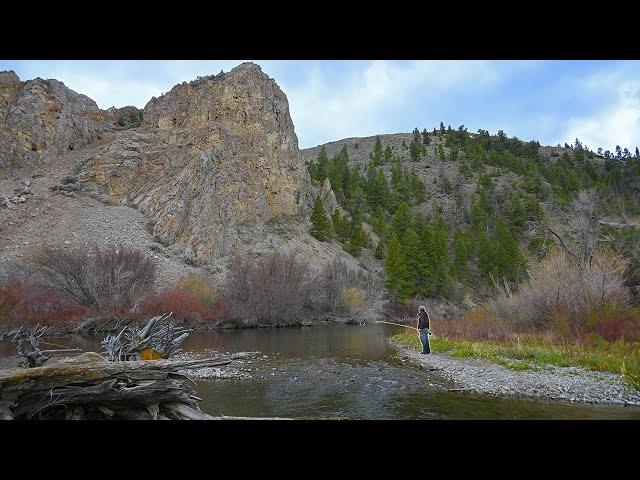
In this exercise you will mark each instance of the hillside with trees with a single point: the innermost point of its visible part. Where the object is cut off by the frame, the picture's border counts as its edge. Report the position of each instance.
(456, 216)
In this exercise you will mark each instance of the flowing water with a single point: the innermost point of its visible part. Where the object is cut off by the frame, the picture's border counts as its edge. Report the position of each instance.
(348, 371)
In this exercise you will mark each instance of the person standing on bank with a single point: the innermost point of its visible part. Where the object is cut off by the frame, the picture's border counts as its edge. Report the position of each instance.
(423, 329)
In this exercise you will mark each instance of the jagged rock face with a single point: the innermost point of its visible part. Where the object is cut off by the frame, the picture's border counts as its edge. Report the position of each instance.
(124, 117)
(41, 119)
(214, 159)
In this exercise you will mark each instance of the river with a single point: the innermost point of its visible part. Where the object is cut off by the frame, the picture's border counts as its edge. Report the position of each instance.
(348, 371)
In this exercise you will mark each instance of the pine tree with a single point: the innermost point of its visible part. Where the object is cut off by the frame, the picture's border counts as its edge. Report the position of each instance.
(402, 219)
(462, 247)
(388, 154)
(516, 211)
(341, 226)
(357, 239)
(402, 188)
(377, 152)
(439, 260)
(415, 147)
(377, 188)
(415, 259)
(320, 226)
(323, 164)
(509, 260)
(378, 220)
(397, 282)
(417, 186)
(426, 139)
(312, 168)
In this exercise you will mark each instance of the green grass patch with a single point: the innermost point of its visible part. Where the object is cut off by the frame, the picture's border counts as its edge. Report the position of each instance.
(618, 357)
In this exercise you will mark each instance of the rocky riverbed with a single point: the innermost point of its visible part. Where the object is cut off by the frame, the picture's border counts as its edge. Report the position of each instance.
(570, 384)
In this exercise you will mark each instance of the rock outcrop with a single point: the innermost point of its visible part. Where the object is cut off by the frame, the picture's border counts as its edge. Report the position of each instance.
(125, 117)
(214, 160)
(42, 119)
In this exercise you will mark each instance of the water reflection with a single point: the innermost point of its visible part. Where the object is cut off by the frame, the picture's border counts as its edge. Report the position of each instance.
(345, 372)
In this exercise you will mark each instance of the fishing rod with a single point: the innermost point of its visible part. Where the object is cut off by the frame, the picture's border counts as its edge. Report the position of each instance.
(399, 325)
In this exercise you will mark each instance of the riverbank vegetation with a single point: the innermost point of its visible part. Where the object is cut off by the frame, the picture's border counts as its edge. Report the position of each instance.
(568, 313)
(68, 288)
(533, 352)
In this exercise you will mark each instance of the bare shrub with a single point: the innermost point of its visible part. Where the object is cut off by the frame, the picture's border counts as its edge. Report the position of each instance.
(346, 290)
(604, 281)
(109, 280)
(271, 291)
(477, 324)
(569, 297)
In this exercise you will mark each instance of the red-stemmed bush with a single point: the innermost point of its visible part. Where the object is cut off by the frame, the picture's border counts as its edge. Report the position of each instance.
(22, 303)
(183, 305)
(191, 299)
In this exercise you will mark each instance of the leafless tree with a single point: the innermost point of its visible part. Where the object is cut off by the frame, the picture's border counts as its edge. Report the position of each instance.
(336, 278)
(113, 278)
(270, 291)
(583, 227)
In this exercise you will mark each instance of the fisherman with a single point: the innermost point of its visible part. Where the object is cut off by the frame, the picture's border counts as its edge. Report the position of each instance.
(423, 329)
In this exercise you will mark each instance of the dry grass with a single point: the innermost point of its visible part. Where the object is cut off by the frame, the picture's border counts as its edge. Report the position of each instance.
(353, 299)
(198, 287)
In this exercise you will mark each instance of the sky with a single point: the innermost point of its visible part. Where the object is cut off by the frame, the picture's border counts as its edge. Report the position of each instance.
(553, 102)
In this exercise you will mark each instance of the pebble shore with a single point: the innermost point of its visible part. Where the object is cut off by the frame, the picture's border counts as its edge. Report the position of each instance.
(569, 384)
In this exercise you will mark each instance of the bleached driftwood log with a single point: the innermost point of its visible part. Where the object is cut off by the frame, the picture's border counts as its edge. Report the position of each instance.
(91, 387)
(159, 337)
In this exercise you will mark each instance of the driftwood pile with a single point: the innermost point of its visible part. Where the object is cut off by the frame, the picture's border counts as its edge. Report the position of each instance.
(137, 378)
(159, 338)
(91, 387)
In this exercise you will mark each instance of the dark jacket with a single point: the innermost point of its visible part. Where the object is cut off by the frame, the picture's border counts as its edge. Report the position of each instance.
(423, 320)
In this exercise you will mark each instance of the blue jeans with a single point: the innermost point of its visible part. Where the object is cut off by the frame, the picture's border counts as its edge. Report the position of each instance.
(424, 339)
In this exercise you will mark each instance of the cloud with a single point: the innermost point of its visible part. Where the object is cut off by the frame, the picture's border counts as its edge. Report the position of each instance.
(618, 122)
(371, 98)
(550, 101)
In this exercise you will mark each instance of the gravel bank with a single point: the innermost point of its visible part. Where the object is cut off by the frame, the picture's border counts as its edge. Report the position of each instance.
(571, 384)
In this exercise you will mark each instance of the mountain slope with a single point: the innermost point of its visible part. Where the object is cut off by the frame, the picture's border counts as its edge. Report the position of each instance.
(486, 206)
(207, 171)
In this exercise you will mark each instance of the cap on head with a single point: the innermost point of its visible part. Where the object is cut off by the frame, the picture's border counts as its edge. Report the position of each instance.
(422, 308)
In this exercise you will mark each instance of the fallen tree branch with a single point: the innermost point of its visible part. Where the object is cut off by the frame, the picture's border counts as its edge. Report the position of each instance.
(91, 387)
(27, 340)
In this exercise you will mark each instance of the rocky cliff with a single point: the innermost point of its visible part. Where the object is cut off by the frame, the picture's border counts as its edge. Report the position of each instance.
(214, 160)
(42, 119)
(209, 170)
